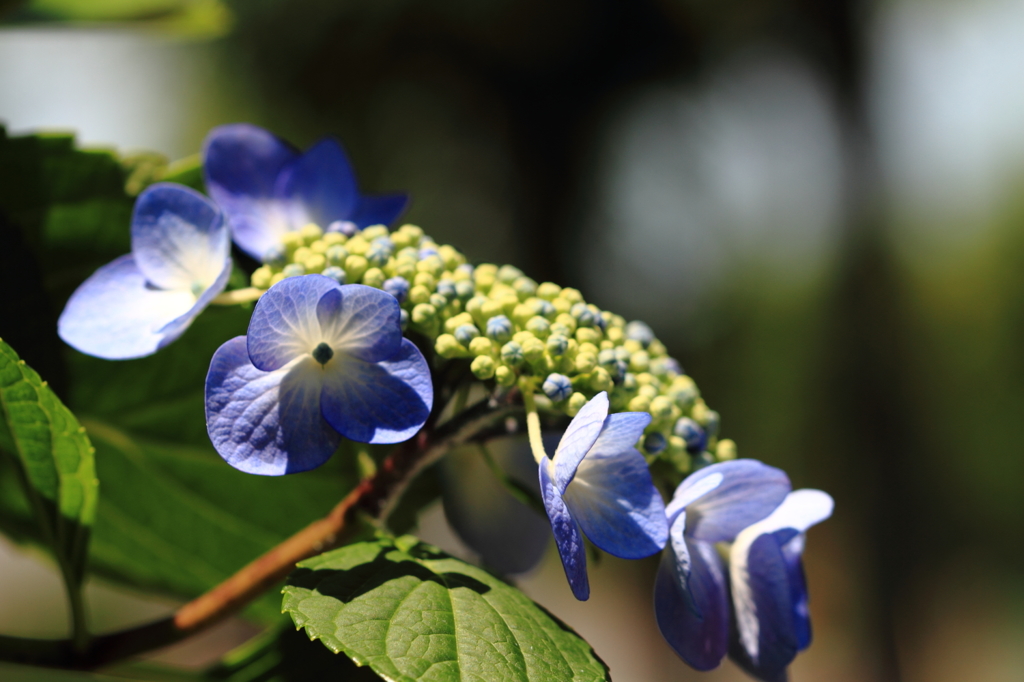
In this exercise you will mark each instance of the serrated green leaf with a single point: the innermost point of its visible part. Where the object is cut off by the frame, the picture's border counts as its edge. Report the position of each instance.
(413, 613)
(179, 520)
(54, 458)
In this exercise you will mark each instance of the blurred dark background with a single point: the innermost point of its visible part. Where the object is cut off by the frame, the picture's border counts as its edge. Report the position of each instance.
(815, 203)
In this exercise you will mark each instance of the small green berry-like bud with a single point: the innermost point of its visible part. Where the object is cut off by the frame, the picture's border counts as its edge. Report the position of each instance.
(521, 313)
(576, 403)
(450, 257)
(539, 326)
(508, 273)
(505, 376)
(585, 362)
(481, 345)
(447, 346)
(438, 301)
(568, 321)
(600, 380)
(726, 450)
(639, 362)
(432, 264)
(335, 273)
(374, 277)
(446, 288)
(571, 295)
(465, 333)
(661, 407)
(358, 245)
(310, 233)
(464, 289)
(533, 349)
(355, 266)
(655, 443)
(301, 254)
(524, 287)
(557, 345)
(261, 277)
(483, 367)
(276, 256)
(379, 252)
(512, 353)
(375, 232)
(548, 291)
(319, 246)
(424, 313)
(332, 238)
(336, 254)
(276, 278)
(684, 392)
(639, 404)
(499, 328)
(315, 262)
(588, 335)
(413, 232)
(293, 270)
(639, 331)
(557, 387)
(453, 323)
(419, 294)
(291, 241)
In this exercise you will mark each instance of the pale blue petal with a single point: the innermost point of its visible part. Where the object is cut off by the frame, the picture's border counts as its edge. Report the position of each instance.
(381, 402)
(322, 184)
(175, 328)
(284, 324)
(577, 440)
(266, 422)
(116, 315)
(693, 610)
(179, 238)
(620, 434)
(749, 491)
(616, 504)
(509, 536)
(362, 321)
(567, 536)
(691, 489)
(380, 210)
(242, 163)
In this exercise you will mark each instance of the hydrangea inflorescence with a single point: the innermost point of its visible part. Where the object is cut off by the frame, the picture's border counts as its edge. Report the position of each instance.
(510, 327)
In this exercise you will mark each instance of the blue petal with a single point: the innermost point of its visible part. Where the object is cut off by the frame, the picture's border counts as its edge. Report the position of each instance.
(284, 324)
(768, 634)
(509, 536)
(362, 322)
(382, 402)
(242, 163)
(749, 491)
(179, 238)
(380, 210)
(620, 434)
(266, 422)
(117, 315)
(175, 328)
(693, 611)
(567, 536)
(577, 440)
(321, 184)
(616, 504)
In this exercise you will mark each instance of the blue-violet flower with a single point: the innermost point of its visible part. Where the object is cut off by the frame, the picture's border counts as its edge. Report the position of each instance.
(267, 188)
(769, 591)
(321, 360)
(598, 481)
(691, 599)
(140, 302)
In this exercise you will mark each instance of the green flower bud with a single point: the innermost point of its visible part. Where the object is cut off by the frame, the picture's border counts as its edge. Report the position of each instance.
(474, 307)
(310, 233)
(726, 450)
(261, 277)
(301, 254)
(419, 294)
(568, 321)
(450, 257)
(648, 391)
(336, 254)
(657, 349)
(294, 270)
(315, 263)
(639, 404)
(661, 407)
(524, 287)
(355, 266)
(453, 323)
(425, 279)
(332, 238)
(374, 232)
(438, 301)
(464, 290)
(508, 273)
(412, 232)
(431, 264)
(639, 361)
(615, 334)
(512, 353)
(561, 305)
(549, 291)
(521, 313)
(423, 314)
(585, 362)
(559, 329)
(629, 382)
(576, 402)
(277, 278)
(292, 241)
(505, 376)
(374, 277)
(335, 273)
(481, 345)
(557, 345)
(465, 333)
(491, 308)
(538, 326)
(600, 380)
(483, 367)
(358, 245)
(533, 349)
(319, 246)
(447, 346)
(571, 295)
(588, 335)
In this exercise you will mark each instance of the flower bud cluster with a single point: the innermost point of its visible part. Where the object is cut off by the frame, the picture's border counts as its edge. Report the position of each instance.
(508, 326)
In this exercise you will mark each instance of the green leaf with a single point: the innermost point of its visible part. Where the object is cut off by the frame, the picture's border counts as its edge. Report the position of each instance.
(411, 612)
(179, 520)
(54, 459)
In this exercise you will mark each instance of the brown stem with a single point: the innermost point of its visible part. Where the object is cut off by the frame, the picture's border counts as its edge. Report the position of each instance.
(372, 496)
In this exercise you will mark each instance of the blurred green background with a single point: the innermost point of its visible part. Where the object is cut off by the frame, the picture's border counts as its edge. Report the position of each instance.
(815, 203)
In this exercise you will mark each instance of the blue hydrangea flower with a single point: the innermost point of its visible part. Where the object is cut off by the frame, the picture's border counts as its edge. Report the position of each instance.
(140, 302)
(321, 360)
(267, 188)
(769, 592)
(598, 481)
(713, 505)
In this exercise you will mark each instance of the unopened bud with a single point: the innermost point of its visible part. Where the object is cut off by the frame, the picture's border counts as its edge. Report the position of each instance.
(557, 387)
(483, 367)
